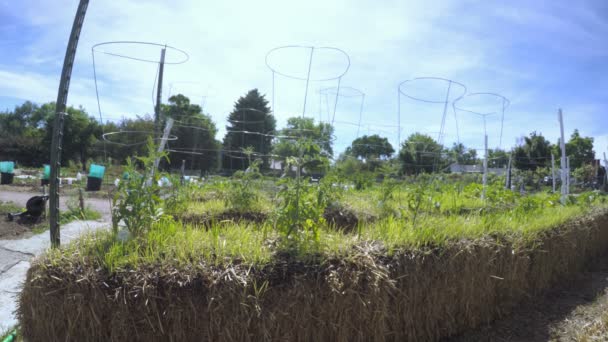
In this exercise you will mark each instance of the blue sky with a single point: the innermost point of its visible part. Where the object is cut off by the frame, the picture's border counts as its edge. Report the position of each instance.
(541, 55)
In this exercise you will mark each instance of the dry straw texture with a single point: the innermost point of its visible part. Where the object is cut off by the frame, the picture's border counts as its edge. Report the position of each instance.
(419, 295)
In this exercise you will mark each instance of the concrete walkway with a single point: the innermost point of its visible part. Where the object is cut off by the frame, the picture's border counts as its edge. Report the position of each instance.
(15, 256)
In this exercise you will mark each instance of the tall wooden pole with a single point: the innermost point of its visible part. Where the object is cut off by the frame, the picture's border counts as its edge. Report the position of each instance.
(60, 108)
(159, 93)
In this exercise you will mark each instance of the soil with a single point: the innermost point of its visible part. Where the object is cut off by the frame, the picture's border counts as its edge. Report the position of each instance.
(560, 314)
(341, 218)
(13, 230)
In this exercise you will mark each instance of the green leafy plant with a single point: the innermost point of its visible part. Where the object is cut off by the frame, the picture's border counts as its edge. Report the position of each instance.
(137, 201)
(241, 193)
(302, 204)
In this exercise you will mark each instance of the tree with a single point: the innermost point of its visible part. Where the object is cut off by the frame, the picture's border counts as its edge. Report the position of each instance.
(534, 153)
(497, 158)
(299, 129)
(579, 149)
(249, 124)
(195, 133)
(122, 146)
(420, 153)
(462, 155)
(80, 133)
(21, 135)
(371, 147)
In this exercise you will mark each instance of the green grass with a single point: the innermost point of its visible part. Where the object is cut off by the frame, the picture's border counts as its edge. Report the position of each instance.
(9, 207)
(412, 215)
(170, 242)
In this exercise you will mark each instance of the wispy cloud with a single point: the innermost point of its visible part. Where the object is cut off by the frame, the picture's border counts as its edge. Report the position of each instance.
(541, 55)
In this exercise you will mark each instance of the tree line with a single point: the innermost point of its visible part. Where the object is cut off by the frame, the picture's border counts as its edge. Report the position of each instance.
(26, 132)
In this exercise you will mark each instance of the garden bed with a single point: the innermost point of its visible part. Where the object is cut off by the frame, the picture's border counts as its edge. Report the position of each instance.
(365, 291)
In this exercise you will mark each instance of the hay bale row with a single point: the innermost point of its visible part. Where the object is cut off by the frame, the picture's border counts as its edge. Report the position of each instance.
(419, 295)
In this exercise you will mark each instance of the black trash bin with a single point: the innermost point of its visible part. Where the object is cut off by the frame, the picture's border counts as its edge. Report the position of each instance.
(6, 178)
(93, 184)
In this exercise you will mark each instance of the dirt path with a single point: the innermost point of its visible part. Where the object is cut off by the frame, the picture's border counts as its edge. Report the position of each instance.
(562, 314)
(20, 198)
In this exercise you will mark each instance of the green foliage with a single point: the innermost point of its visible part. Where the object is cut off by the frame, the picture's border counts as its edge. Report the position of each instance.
(497, 158)
(371, 147)
(579, 149)
(463, 156)
(137, 201)
(302, 204)
(242, 191)
(196, 132)
(80, 133)
(299, 129)
(74, 212)
(249, 124)
(534, 153)
(420, 153)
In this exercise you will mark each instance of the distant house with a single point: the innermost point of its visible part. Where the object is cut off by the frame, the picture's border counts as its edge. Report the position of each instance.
(459, 168)
(278, 165)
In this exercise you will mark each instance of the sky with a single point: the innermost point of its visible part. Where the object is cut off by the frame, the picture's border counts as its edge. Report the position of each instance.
(540, 55)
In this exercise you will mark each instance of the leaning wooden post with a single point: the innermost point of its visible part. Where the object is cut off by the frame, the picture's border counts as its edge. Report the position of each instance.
(60, 108)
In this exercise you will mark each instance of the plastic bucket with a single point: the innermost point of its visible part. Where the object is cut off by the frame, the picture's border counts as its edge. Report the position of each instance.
(93, 184)
(6, 178)
(96, 171)
(7, 167)
(47, 172)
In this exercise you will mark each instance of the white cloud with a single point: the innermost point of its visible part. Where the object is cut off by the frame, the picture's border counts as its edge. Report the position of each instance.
(471, 42)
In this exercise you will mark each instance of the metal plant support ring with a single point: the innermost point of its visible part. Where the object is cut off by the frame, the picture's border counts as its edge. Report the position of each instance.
(348, 92)
(308, 78)
(105, 137)
(450, 84)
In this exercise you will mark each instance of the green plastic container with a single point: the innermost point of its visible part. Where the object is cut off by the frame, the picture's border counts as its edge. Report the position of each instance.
(47, 172)
(7, 167)
(96, 171)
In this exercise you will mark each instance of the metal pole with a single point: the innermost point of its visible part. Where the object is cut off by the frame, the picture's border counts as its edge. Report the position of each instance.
(553, 171)
(508, 183)
(485, 168)
(159, 92)
(60, 108)
(312, 49)
(163, 142)
(567, 175)
(273, 109)
(183, 170)
(360, 114)
(562, 144)
(398, 120)
(445, 110)
(336, 101)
